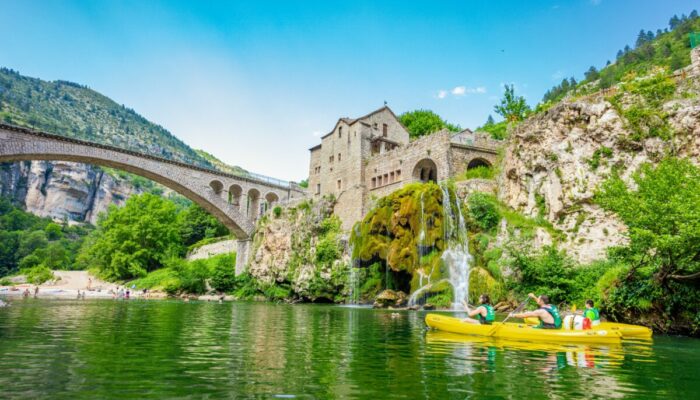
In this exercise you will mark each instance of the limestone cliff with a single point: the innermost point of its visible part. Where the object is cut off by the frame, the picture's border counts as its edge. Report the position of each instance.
(554, 161)
(299, 249)
(64, 190)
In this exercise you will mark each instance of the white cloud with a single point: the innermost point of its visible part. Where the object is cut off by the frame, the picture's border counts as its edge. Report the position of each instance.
(557, 76)
(459, 91)
(317, 133)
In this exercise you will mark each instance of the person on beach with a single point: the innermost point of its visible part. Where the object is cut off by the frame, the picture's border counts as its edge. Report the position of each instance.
(25, 294)
(547, 313)
(484, 312)
(36, 291)
(127, 294)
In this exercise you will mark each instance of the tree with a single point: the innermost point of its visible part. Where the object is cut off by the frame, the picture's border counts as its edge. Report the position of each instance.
(663, 217)
(673, 22)
(694, 14)
(513, 108)
(195, 224)
(134, 239)
(592, 74)
(489, 120)
(641, 39)
(304, 183)
(424, 122)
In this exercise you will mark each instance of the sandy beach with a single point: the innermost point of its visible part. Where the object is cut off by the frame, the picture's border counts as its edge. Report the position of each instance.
(67, 285)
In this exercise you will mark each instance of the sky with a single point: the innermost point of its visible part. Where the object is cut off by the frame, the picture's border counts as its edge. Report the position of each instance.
(256, 83)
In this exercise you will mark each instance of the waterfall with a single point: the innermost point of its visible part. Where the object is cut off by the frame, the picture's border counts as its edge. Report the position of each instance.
(354, 276)
(456, 256)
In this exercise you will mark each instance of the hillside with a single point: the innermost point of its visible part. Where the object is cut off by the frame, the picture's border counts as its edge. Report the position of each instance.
(73, 110)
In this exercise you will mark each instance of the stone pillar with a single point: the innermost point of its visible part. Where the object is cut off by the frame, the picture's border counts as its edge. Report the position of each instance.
(242, 254)
(695, 61)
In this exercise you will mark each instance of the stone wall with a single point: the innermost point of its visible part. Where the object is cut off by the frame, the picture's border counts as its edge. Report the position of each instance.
(213, 249)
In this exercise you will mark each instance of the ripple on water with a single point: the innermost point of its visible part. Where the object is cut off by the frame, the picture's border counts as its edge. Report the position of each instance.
(169, 349)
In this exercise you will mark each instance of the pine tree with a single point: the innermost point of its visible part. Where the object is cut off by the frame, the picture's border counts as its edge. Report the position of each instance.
(592, 74)
(650, 36)
(619, 54)
(694, 14)
(489, 120)
(673, 22)
(641, 39)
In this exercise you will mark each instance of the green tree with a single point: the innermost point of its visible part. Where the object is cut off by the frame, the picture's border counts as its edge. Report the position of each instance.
(195, 224)
(513, 108)
(663, 217)
(134, 239)
(424, 122)
(592, 74)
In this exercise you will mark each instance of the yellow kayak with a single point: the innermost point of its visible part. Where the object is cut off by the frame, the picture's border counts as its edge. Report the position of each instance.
(626, 330)
(524, 332)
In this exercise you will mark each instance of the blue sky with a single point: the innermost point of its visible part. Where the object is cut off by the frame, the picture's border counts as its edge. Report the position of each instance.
(256, 83)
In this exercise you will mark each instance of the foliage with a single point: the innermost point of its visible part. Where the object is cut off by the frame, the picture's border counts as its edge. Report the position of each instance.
(480, 172)
(277, 211)
(483, 210)
(645, 116)
(28, 241)
(663, 218)
(595, 160)
(135, 239)
(559, 91)
(194, 224)
(424, 122)
(223, 276)
(498, 131)
(304, 183)
(38, 274)
(512, 108)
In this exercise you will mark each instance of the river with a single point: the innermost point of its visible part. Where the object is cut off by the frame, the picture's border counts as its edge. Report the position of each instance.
(170, 349)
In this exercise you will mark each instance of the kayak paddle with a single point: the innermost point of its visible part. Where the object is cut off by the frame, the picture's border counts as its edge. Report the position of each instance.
(495, 328)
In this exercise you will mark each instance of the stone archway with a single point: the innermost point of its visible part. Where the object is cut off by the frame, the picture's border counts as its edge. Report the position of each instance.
(234, 195)
(216, 186)
(253, 208)
(425, 171)
(478, 162)
(270, 200)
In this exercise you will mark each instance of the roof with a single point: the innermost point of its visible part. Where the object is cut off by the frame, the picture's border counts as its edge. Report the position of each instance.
(351, 121)
(318, 146)
(383, 139)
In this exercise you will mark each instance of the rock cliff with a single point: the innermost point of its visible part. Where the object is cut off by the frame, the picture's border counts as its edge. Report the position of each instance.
(64, 190)
(554, 161)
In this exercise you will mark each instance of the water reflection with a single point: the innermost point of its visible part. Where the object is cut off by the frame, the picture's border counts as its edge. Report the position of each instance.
(149, 349)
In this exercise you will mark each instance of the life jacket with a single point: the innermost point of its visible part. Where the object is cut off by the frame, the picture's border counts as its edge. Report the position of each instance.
(490, 314)
(592, 314)
(554, 312)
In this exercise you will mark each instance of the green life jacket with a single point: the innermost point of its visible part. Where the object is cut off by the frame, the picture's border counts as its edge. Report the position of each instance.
(554, 312)
(592, 314)
(490, 314)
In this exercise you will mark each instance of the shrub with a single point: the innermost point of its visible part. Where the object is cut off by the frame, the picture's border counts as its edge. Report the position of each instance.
(483, 210)
(480, 172)
(277, 211)
(38, 274)
(223, 277)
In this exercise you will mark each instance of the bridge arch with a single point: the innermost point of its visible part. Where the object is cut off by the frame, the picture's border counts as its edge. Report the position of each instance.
(253, 209)
(234, 195)
(216, 186)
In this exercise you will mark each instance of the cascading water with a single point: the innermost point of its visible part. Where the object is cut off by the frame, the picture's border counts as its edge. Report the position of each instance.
(354, 281)
(456, 256)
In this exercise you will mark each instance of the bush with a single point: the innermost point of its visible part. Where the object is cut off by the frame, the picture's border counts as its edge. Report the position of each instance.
(38, 275)
(480, 172)
(483, 210)
(223, 277)
(277, 211)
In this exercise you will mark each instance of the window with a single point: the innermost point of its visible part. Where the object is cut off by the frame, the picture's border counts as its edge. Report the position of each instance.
(374, 183)
(339, 184)
(374, 126)
(391, 177)
(330, 159)
(398, 174)
(340, 132)
(318, 188)
(385, 130)
(379, 180)
(339, 157)
(386, 179)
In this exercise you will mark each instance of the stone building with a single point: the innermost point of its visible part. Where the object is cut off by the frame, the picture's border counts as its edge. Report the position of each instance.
(368, 157)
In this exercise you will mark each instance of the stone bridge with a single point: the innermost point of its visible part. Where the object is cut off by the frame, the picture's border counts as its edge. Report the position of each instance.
(236, 201)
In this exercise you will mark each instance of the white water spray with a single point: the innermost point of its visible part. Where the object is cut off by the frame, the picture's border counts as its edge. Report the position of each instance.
(456, 256)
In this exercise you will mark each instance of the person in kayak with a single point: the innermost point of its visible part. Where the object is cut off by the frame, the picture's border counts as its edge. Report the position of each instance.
(484, 313)
(547, 313)
(592, 313)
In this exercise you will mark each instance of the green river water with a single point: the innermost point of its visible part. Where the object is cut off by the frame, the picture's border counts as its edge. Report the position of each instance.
(168, 349)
